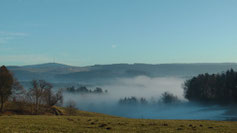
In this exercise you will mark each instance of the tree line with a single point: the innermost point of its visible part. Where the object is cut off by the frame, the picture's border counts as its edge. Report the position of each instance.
(85, 90)
(166, 98)
(212, 88)
(37, 99)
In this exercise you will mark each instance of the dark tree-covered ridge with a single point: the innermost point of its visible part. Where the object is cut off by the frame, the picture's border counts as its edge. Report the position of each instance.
(212, 88)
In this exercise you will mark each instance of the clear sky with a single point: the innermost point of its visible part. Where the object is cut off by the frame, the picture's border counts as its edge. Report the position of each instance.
(87, 32)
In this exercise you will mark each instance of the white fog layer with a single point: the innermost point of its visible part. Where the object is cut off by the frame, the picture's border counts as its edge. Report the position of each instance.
(151, 89)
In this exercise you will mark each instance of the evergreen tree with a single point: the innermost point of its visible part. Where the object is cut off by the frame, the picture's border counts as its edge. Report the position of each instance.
(214, 88)
(6, 84)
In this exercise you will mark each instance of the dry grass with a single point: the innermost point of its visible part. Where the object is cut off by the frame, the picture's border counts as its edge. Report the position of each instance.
(94, 122)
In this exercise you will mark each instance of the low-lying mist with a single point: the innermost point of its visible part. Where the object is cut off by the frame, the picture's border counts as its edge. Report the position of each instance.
(151, 89)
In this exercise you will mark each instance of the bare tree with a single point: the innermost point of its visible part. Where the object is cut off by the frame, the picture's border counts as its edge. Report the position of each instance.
(52, 98)
(37, 93)
(18, 91)
(41, 94)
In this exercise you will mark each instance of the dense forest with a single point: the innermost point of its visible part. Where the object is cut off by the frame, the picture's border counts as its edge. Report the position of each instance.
(212, 88)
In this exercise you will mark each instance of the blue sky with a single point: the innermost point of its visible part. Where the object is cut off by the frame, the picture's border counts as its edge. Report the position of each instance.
(87, 32)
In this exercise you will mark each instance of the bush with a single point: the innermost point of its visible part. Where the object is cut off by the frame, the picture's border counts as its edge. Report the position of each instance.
(71, 108)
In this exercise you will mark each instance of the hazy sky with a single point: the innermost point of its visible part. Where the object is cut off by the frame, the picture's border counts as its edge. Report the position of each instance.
(86, 32)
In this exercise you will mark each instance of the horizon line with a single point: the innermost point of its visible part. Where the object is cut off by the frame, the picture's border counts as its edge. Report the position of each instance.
(122, 63)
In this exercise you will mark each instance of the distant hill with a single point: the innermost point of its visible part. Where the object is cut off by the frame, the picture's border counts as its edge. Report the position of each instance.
(43, 71)
(55, 72)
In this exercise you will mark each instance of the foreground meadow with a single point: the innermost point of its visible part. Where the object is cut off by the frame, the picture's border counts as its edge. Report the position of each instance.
(93, 122)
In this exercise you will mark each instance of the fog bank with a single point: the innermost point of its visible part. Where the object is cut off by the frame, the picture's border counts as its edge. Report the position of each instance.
(151, 89)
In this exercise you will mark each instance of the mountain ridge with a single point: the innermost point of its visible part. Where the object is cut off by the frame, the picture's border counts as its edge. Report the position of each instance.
(66, 65)
(62, 72)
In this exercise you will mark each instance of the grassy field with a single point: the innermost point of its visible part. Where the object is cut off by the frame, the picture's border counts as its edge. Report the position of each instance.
(93, 122)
